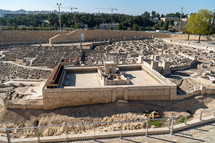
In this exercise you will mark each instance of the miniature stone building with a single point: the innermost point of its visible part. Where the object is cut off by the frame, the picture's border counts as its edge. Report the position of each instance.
(111, 75)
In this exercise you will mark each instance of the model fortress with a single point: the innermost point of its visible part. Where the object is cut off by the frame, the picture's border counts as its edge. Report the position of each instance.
(111, 75)
(75, 86)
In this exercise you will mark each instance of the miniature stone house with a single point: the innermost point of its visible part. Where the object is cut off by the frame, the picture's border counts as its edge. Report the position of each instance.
(110, 67)
(111, 75)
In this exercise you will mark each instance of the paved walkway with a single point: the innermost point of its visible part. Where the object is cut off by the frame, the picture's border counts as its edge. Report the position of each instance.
(205, 133)
(202, 133)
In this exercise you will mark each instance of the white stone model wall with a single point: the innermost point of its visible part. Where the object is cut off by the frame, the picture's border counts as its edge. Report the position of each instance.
(72, 96)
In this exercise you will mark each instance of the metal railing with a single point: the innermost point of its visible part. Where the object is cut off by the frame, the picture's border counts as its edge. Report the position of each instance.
(118, 126)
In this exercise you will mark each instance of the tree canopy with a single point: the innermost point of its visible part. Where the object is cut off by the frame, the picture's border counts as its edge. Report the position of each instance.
(200, 23)
(77, 20)
(145, 21)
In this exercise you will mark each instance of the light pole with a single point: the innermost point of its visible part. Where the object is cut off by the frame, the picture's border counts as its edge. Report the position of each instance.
(112, 9)
(180, 19)
(59, 4)
(73, 8)
(212, 22)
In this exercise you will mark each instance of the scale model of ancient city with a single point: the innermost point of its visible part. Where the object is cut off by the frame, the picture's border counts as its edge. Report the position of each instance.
(104, 67)
(102, 75)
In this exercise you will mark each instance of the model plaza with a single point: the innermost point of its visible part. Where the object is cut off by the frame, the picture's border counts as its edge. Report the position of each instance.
(109, 75)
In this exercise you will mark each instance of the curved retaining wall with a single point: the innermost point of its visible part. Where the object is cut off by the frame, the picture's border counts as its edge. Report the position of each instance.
(90, 35)
(115, 35)
(95, 35)
(190, 43)
(7, 36)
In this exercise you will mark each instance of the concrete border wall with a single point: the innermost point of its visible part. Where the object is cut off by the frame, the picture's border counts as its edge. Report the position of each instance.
(56, 98)
(27, 36)
(187, 95)
(202, 91)
(115, 35)
(185, 37)
(36, 106)
(99, 35)
(203, 46)
(210, 91)
(53, 37)
(187, 66)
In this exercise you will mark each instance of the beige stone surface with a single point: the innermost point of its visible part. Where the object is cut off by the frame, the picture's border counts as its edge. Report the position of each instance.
(84, 89)
(27, 36)
(137, 77)
(90, 35)
(81, 80)
(141, 78)
(94, 35)
(56, 99)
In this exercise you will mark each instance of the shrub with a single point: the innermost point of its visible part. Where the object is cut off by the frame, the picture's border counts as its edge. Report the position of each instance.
(38, 134)
(182, 120)
(156, 123)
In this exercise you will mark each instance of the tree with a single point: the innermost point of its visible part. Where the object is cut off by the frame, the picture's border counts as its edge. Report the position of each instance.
(53, 19)
(153, 14)
(213, 24)
(200, 23)
(166, 25)
(14, 26)
(3, 22)
(78, 26)
(157, 15)
(171, 24)
(146, 15)
(160, 23)
(156, 27)
(136, 27)
(123, 25)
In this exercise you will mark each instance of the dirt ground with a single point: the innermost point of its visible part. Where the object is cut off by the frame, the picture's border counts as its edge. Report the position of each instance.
(101, 113)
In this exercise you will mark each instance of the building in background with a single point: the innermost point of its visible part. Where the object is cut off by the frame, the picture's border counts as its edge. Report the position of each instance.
(109, 26)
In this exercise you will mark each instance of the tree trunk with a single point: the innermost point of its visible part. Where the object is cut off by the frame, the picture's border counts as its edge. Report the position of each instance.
(199, 38)
(188, 38)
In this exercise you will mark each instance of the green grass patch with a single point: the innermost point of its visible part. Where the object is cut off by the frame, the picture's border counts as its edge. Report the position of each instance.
(156, 123)
(182, 120)
(37, 134)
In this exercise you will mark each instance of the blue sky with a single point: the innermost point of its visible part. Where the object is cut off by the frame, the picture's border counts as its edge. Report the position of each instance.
(132, 7)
